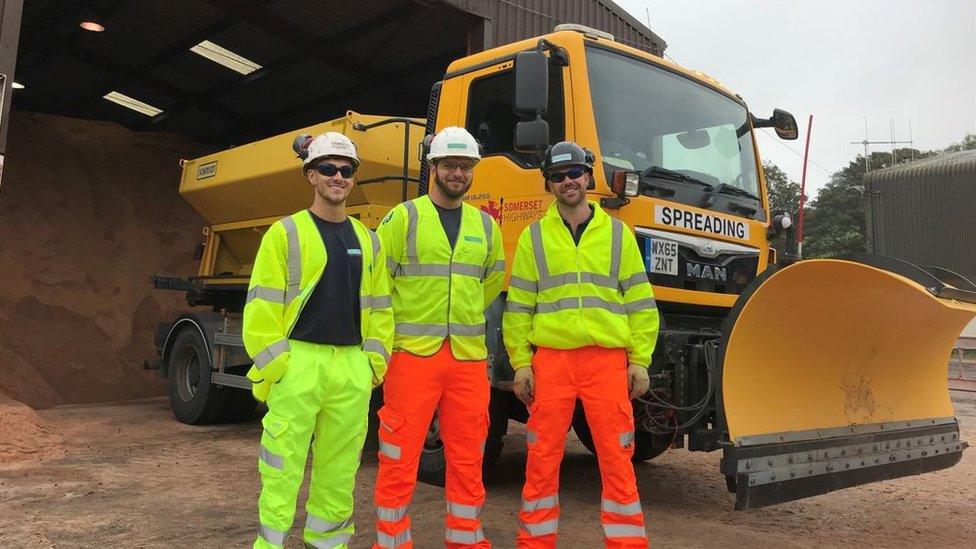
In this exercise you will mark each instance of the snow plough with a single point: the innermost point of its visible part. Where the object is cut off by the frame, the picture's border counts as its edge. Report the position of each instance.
(808, 377)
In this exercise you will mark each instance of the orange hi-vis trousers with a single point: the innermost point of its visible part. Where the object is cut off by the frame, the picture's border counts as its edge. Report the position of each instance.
(598, 377)
(415, 387)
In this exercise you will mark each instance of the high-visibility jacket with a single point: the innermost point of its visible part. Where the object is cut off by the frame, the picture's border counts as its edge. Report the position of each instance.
(565, 296)
(439, 292)
(288, 266)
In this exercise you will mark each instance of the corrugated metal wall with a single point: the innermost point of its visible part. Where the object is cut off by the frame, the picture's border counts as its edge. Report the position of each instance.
(925, 212)
(512, 20)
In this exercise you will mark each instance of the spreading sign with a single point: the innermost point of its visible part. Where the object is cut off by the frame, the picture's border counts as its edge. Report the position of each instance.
(704, 222)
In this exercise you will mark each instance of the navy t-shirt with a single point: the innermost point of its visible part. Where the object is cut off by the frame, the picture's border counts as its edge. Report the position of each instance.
(331, 315)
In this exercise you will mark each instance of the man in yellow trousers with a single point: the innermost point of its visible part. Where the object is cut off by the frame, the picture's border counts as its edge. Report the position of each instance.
(318, 324)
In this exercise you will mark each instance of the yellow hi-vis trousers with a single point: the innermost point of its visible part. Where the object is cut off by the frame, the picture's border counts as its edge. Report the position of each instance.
(322, 400)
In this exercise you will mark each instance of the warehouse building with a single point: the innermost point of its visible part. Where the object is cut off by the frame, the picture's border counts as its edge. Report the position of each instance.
(925, 212)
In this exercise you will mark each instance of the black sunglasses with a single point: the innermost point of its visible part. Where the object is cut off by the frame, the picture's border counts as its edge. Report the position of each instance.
(572, 173)
(329, 170)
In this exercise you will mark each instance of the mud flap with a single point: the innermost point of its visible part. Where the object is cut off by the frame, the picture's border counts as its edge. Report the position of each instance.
(833, 374)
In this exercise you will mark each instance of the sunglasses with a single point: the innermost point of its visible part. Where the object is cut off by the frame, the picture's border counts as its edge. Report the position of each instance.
(330, 170)
(558, 177)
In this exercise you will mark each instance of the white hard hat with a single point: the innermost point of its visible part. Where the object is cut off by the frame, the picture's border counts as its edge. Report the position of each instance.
(330, 144)
(453, 141)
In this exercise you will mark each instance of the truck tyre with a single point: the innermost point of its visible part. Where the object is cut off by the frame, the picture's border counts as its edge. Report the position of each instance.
(192, 397)
(240, 405)
(646, 445)
(433, 464)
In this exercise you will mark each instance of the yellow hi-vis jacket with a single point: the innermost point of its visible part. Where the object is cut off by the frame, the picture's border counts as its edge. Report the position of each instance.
(439, 292)
(565, 296)
(288, 266)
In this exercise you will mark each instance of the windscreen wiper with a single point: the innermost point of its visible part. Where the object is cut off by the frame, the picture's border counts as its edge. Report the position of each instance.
(657, 172)
(725, 188)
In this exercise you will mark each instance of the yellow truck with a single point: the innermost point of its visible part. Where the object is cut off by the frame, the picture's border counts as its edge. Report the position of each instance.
(809, 377)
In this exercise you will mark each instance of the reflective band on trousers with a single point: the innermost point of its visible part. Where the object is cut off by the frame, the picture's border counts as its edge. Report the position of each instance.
(392, 514)
(576, 302)
(542, 503)
(375, 346)
(464, 536)
(271, 352)
(391, 451)
(330, 543)
(624, 531)
(392, 542)
(323, 526)
(294, 258)
(542, 528)
(621, 508)
(460, 510)
(273, 460)
(626, 439)
(272, 536)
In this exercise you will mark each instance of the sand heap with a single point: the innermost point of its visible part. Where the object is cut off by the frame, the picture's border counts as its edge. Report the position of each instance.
(88, 212)
(24, 435)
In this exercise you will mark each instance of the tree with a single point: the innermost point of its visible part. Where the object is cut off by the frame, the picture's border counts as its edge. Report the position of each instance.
(784, 196)
(968, 143)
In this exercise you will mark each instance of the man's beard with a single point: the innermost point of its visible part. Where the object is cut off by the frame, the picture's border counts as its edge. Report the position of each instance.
(450, 193)
(580, 197)
(325, 196)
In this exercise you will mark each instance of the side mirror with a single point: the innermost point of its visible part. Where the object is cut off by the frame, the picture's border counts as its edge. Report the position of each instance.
(531, 135)
(785, 124)
(531, 83)
(625, 183)
(782, 121)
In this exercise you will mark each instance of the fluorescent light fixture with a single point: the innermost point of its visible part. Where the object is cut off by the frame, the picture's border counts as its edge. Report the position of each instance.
(17, 86)
(130, 103)
(225, 57)
(92, 26)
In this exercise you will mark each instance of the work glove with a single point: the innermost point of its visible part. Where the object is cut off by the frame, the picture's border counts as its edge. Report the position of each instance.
(524, 385)
(637, 380)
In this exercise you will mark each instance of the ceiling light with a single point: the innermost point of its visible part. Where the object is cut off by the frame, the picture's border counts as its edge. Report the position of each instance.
(225, 57)
(92, 26)
(18, 86)
(130, 103)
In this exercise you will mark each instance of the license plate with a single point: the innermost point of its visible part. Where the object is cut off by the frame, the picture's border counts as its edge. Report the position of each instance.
(661, 256)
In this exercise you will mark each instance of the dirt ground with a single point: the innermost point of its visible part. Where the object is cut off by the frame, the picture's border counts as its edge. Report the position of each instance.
(129, 475)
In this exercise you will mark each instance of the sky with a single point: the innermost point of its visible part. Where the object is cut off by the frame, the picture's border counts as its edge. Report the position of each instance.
(839, 60)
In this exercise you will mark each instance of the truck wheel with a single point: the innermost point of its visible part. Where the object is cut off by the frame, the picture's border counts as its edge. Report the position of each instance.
(433, 464)
(646, 445)
(240, 405)
(192, 397)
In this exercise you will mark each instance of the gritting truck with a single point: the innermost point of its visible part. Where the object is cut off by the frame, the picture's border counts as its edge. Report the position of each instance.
(808, 377)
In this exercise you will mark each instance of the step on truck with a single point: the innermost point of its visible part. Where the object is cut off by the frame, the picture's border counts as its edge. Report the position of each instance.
(808, 377)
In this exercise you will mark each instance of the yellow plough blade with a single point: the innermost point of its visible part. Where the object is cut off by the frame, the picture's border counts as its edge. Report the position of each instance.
(833, 374)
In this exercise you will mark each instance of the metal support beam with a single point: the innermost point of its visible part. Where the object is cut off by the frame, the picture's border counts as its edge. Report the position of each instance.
(10, 14)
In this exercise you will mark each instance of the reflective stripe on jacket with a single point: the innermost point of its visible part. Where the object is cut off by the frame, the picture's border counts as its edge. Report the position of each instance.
(288, 265)
(565, 296)
(439, 292)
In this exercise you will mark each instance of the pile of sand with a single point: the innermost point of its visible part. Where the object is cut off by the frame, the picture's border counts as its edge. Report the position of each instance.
(88, 212)
(24, 435)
